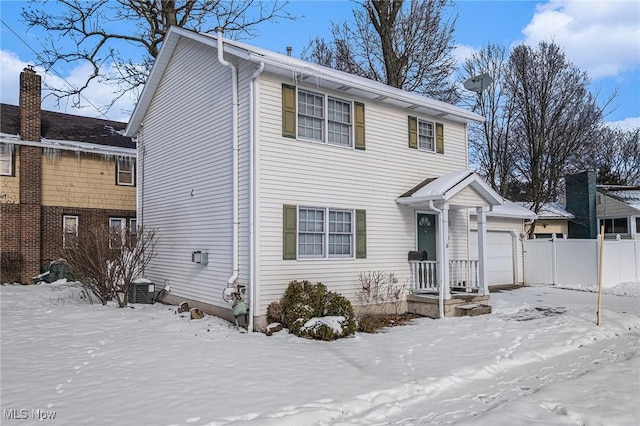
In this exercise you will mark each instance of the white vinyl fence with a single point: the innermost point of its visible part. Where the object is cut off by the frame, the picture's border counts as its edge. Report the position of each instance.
(575, 262)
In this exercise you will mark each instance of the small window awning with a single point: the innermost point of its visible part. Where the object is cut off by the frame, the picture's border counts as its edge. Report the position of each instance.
(452, 188)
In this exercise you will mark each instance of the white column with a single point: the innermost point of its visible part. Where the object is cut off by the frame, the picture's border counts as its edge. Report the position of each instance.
(482, 251)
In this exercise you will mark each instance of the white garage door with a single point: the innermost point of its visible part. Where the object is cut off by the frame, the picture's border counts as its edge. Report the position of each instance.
(499, 255)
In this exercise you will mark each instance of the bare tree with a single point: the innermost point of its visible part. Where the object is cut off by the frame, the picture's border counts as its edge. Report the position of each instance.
(615, 155)
(490, 151)
(555, 117)
(404, 46)
(106, 263)
(98, 37)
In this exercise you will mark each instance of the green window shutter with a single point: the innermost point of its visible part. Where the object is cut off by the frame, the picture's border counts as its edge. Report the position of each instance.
(413, 132)
(359, 125)
(439, 138)
(288, 111)
(289, 232)
(361, 234)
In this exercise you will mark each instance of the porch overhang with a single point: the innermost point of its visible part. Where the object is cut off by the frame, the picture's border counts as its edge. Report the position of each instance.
(444, 189)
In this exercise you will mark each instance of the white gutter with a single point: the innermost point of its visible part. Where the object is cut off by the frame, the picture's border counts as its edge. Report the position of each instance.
(235, 183)
(252, 194)
(442, 248)
(62, 145)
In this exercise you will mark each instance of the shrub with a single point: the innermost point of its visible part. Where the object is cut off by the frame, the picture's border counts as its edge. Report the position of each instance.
(303, 301)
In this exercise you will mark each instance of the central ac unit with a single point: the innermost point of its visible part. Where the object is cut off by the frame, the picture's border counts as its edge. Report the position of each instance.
(142, 291)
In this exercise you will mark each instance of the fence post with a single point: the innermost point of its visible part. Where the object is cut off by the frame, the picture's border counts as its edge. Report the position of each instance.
(554, 260)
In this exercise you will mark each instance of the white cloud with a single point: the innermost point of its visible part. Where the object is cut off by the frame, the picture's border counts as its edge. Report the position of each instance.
(630, 123)
(94, 99)
(462, 52)
(601, 37)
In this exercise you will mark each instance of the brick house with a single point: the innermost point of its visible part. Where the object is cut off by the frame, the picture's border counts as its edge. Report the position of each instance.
(60, 175)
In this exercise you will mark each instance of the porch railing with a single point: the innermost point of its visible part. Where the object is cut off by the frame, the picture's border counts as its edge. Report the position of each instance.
(423, 276)
(463, 274)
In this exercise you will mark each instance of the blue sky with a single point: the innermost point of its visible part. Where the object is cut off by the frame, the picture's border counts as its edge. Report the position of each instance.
(600, 37)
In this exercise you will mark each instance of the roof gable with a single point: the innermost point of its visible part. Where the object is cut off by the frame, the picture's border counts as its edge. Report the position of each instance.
(295, 70)
(629, 195)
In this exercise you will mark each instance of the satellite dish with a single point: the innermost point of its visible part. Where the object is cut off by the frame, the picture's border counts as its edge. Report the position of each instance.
(478, 83)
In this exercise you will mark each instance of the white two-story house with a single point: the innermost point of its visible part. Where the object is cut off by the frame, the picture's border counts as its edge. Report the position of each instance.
(258, 168)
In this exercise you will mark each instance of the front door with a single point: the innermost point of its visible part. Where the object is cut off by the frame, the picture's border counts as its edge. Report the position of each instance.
(427, 234)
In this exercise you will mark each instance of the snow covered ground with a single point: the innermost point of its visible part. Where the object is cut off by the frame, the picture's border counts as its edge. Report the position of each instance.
(539, 359)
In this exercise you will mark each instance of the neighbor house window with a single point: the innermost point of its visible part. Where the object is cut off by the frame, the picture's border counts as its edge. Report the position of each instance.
(69, 231)
(617, 225)
(6, 159)
(319, 237)
(116, 231)
(133, 232)
(125, 171)
(324, 119)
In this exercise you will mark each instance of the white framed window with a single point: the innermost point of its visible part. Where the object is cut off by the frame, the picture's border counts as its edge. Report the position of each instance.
(69, 231)
(325, 118)
(125, 171)
(324, 232)
(6, 159)
(117, 228)
(426, 135)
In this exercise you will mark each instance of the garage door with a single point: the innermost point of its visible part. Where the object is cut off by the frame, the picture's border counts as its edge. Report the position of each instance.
(499, 256)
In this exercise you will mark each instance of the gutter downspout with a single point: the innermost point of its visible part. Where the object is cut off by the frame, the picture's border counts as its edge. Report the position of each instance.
(235, 183)
(252, 194)
(443, 247)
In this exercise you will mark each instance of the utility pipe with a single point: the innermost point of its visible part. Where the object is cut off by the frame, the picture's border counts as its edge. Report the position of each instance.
(252, 192)
(235, 183)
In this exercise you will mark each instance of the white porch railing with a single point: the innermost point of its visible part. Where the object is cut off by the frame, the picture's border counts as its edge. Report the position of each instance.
(423, 276)
(462, 274)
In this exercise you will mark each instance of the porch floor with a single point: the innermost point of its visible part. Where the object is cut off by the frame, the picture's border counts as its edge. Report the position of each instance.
(460, 305)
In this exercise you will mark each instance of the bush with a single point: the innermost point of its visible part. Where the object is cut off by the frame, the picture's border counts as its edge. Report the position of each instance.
(303, 301)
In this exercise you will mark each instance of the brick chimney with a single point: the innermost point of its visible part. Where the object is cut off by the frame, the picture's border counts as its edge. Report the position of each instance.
(30, 94)
(30, 175)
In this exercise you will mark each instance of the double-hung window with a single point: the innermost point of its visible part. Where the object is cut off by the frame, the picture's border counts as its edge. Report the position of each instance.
(325, 233)
(6, 159)
(116, 231)
(617, 225)
(425, 135)
(125, 171)
(133, 232)
(324, 118)
(69, 231)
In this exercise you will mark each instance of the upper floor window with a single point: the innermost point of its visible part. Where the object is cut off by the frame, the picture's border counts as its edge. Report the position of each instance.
(6, 159)
(322, 117)
(425, 135)
(69, 231)
(125, 171)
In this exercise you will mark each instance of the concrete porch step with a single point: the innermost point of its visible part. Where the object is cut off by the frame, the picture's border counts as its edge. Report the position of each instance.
(472, 310)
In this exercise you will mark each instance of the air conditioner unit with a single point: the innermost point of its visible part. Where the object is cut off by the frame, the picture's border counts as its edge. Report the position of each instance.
(141, 291)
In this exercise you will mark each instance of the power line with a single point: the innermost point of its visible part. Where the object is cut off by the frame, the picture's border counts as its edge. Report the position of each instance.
(53, 69)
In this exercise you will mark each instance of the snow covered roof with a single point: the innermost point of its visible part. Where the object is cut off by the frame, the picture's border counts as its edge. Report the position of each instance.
(70, 133)
(549, 210)
(511, 210)
(295, 70)
(629, 195)
(447, 186)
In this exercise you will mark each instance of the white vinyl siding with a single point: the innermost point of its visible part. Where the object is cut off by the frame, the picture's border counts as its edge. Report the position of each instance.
(187, 191)
(293, 173)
